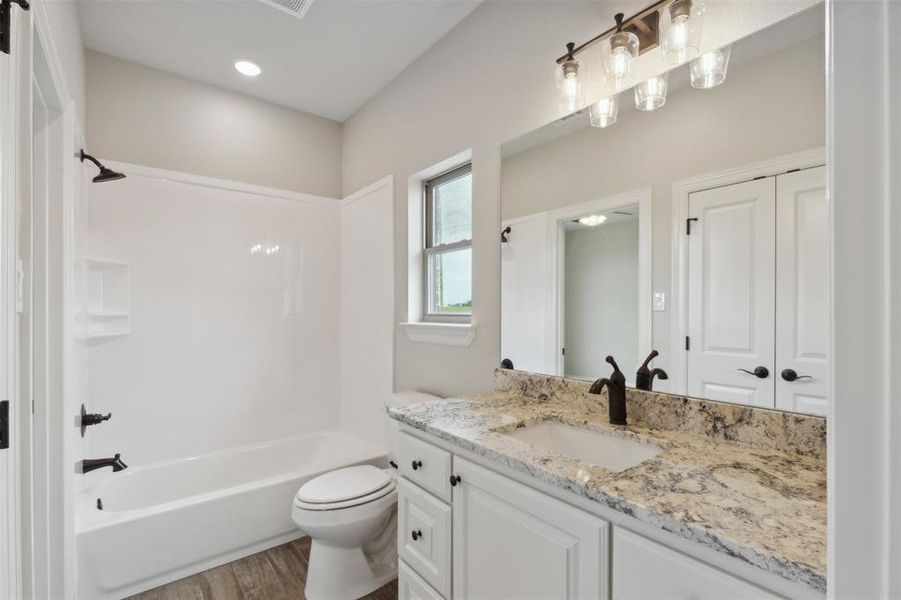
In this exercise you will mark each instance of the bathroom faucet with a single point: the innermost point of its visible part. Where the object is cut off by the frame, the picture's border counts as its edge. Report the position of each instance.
(91, 464)
(644, 377)
(616, 393)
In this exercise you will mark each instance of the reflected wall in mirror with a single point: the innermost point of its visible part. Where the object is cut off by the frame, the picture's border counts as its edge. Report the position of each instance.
(699, 229)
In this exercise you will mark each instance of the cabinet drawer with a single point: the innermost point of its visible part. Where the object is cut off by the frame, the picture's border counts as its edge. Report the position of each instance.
(424, 535)
(646, 570)
(426, 465)
(411, 586)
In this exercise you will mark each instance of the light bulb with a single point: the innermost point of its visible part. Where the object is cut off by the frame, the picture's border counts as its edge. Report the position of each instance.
(680, 24)
(709, 70)
(593, 220)
(622, 47)
(603, 112)
(651, 94)
(620, 62)
(569, 83)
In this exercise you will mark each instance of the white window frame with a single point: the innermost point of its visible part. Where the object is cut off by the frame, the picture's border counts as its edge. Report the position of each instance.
(429, 249)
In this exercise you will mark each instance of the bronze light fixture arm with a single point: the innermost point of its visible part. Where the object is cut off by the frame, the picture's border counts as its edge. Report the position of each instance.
(643, 22)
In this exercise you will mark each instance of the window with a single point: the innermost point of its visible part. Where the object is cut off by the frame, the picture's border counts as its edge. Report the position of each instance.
(447, 250)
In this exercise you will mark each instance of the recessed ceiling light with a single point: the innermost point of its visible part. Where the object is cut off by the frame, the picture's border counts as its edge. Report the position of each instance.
(593, 220)
(245, 67)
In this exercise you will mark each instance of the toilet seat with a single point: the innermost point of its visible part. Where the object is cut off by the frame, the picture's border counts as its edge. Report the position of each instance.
(344, 488)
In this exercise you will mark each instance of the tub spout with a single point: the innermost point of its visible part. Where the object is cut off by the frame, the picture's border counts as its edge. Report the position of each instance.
(91, 464)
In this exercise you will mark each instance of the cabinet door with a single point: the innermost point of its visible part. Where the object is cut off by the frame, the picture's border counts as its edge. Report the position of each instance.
(646, 570)
(511, 541)
(802, 290)
(731, 291)
(411, 586)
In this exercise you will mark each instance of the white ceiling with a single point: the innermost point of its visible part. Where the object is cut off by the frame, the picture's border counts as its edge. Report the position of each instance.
(329, 63)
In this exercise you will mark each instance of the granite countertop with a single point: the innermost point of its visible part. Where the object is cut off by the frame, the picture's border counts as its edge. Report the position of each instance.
(755, 501)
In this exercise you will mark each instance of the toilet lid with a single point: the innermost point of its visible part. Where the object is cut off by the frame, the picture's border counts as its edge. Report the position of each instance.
(343, 484)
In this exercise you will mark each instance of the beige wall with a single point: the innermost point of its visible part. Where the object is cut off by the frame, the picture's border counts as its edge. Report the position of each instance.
(489, 80)
(140, 115)
(771, 107)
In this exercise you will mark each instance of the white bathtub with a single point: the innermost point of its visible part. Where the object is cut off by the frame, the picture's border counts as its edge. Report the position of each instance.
(165, 521)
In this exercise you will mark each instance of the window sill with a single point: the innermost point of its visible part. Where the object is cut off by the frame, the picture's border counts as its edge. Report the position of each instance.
(448, 334)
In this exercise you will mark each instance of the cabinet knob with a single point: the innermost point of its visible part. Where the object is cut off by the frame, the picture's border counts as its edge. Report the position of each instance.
(417, 464)
(455, 479)
(416, 534)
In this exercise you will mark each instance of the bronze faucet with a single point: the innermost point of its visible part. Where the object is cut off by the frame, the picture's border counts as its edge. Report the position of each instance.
(644, 377)
(616, 393)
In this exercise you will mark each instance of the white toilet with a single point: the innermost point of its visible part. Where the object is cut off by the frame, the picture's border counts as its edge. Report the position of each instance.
(351, 515)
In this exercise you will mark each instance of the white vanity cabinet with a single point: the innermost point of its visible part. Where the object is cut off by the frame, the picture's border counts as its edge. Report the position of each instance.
(511, 541)
(489, 537)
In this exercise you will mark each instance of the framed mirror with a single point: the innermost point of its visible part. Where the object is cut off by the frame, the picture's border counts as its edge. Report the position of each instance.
(690, 218)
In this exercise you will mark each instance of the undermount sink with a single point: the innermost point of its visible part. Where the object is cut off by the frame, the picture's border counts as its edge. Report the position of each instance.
(604, 450)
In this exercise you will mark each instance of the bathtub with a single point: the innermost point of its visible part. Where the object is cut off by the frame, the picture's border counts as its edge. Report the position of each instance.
(165, 521)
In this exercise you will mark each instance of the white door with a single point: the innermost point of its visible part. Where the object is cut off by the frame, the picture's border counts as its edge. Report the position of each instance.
(731, 291)
(511, 541)
(526, 297)
(802, 291)
(10, 576)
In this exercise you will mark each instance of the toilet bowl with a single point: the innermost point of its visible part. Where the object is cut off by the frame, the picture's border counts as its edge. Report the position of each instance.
(351, 516)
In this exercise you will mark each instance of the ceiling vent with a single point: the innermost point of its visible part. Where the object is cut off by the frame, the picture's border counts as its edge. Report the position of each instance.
(295, 8)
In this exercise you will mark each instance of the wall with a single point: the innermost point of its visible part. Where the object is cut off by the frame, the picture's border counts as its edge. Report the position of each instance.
(486, 82)
(144, 116)
(67, 48)
(233, 317)
(601, 280)
(767, 108)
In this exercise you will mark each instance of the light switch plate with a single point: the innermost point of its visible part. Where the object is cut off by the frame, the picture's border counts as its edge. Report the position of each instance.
(659, 301)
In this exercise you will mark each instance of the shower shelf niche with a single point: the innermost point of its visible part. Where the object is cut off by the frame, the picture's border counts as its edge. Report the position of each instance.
(108, 299)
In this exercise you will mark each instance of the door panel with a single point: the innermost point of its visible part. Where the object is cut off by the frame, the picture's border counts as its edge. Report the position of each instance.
(802, 286)
(513, 542)
(731, 291)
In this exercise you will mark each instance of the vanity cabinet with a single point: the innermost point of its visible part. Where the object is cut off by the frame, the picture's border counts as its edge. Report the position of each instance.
(511, 541)
(487, 536)
(646, 570)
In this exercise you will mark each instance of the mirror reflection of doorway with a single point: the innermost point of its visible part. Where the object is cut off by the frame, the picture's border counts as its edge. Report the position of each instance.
(601, 278)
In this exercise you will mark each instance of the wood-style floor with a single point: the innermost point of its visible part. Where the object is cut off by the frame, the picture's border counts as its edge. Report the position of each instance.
(276, 574)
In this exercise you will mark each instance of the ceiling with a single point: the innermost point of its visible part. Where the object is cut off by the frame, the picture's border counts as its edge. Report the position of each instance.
(329, 63)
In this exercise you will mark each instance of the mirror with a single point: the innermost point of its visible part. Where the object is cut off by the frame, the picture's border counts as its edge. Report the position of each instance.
(699, 229)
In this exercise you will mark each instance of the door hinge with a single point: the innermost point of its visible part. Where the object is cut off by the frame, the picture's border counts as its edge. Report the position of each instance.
(4, 424)
(563, 351)
(6, 21)
(687, 343)
(688, 224)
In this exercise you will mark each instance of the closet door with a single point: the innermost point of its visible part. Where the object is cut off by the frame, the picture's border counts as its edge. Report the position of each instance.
(802, 291)
(731, 291)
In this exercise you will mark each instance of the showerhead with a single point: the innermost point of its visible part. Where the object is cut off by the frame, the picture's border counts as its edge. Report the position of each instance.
(105, 173)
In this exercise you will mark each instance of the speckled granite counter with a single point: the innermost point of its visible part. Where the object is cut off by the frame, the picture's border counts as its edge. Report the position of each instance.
(747, 482)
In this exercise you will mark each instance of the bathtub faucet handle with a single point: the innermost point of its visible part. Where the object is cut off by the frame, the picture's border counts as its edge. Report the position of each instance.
(88, 419)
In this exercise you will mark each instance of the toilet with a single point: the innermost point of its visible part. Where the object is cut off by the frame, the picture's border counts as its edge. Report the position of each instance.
(351, 516)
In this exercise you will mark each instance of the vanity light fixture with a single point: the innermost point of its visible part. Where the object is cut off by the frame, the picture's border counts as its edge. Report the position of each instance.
(603, 112)
(245, 67)
(651, 94)
(621, 50)
(680, 28)
(593, 220)
(569, 82)
(709, 69)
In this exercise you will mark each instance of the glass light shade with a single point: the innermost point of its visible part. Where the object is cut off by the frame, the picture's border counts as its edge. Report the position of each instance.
(621, 50)
(603, 112)
(651, 94)
(680, 30)
(569, 85)
(709, 69)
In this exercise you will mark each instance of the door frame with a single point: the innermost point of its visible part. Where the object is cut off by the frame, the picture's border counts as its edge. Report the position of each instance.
(642, 197)
(682, 189)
